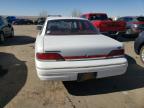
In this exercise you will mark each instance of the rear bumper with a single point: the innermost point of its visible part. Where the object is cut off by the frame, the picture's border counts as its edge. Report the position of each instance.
(71, 73)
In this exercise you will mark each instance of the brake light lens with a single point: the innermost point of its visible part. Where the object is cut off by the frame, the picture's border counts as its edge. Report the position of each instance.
(58, 57)
(49, 56)
(116, 53)
(112, 54)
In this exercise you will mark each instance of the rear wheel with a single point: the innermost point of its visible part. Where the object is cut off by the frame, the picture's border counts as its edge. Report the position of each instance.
(142, 54)
(2, 38)
(12, 33)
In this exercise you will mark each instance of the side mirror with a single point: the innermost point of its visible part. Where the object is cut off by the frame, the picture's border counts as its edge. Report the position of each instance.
(39, 27)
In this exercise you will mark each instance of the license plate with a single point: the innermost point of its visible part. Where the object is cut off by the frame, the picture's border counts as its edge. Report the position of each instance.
(87, 76)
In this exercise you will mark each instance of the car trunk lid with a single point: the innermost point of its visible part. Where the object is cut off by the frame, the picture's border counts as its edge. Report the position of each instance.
(81, 47)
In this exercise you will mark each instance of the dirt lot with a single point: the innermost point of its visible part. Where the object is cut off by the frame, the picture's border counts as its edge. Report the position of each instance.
(20, 87)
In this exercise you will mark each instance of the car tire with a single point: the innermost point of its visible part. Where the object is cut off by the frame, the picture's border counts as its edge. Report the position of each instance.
(2, 38)
(142, 54)
(12, 33)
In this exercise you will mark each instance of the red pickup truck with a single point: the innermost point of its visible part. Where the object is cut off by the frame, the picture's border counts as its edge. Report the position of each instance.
(106, 25)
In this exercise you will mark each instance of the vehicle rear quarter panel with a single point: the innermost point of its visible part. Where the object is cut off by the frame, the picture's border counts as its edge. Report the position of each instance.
(39, 44)
(81, 45)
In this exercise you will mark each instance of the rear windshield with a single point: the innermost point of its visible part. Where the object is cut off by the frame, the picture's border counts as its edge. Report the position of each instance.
(98, 17)
(70, 27)
(140, 18)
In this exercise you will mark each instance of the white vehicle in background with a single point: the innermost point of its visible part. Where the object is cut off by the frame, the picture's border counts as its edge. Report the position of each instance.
(72, 49)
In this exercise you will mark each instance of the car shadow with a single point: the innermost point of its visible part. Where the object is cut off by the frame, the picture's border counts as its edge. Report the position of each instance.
(18, 40)
(132, 79)
(13, 75)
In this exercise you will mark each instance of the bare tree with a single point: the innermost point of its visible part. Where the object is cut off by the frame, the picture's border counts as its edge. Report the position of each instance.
(76, 13)
(43, 13)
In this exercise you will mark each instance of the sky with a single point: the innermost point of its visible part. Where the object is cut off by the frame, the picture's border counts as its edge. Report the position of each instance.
(65, 7)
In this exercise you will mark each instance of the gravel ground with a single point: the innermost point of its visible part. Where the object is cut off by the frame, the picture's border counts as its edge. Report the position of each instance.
(20, 87)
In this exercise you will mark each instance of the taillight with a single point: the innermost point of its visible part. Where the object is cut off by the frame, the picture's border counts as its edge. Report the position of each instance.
(49, 56)
(58, 57)
(116, 53)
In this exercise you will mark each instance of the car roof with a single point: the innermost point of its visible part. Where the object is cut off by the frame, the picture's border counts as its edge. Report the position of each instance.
(57, 18)
(95, 13)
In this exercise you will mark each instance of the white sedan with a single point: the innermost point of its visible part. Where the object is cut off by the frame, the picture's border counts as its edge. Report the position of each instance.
(72, 49)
